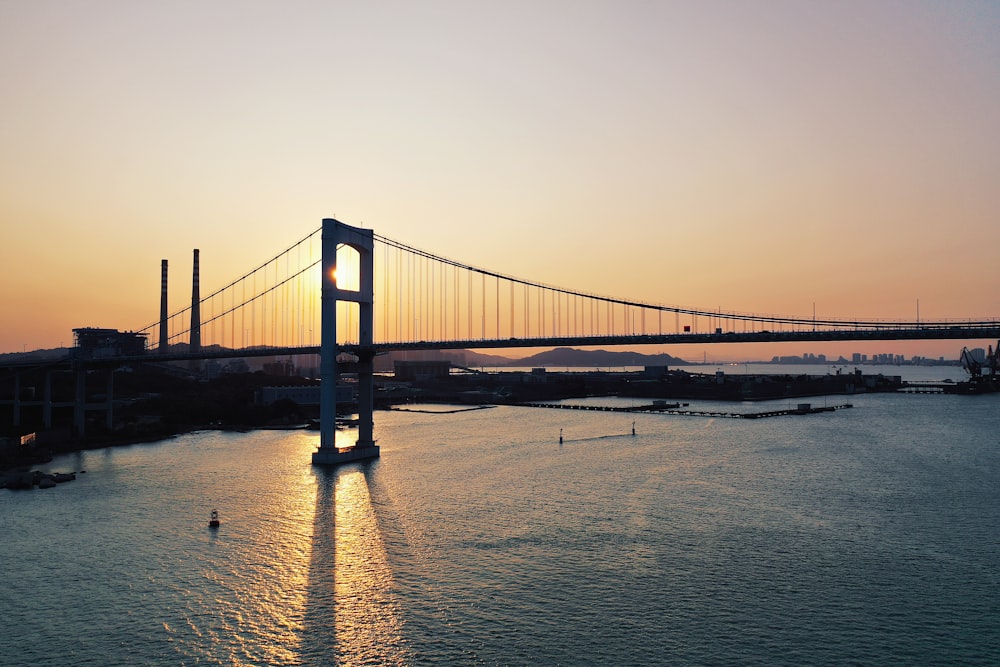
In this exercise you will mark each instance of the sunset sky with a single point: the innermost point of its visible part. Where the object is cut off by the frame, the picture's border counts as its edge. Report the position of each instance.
(766, 157)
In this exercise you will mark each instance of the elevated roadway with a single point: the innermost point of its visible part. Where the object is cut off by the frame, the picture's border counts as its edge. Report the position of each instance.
(973, 331)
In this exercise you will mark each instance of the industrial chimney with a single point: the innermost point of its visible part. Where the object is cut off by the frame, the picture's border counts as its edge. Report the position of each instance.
(163, 306)
(195, 343)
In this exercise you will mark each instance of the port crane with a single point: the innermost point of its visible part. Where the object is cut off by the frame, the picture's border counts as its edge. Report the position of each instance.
(974, 367)
(971, 365)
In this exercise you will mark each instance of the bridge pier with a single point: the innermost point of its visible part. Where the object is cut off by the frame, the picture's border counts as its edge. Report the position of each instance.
(109, 404)
(80, 404)
(335, 234)
(17, 401)
(47, 401)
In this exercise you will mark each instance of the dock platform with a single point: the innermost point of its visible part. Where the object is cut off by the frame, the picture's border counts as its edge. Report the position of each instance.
(676, 409)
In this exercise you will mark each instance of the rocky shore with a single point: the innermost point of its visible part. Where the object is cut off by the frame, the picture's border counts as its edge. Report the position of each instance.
(17, 480)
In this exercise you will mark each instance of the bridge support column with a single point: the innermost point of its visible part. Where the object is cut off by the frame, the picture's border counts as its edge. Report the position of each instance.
(80, 407)
(47, 401)
(336, 234)
(17, 401)
(366, 401)
(109, 415)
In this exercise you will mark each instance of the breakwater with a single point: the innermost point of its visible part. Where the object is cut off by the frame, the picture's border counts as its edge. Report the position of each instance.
(675, 409)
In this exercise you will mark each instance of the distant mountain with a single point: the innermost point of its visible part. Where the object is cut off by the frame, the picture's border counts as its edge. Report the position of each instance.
(35, 355)
(478, 359)
(570, 357)
(467, 358)
(562, 356)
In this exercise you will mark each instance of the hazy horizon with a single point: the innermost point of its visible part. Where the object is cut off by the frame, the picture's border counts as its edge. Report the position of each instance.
(528, 353)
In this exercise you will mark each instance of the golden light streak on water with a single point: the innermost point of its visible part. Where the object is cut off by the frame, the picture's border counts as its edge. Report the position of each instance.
(270, 561)
(368, 625)
(279, 601)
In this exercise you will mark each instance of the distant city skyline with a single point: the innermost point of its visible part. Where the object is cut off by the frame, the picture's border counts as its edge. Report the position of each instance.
(861, 358)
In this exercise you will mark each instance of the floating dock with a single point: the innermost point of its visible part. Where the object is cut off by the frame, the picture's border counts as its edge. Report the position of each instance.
(675, 409)
(924, 388)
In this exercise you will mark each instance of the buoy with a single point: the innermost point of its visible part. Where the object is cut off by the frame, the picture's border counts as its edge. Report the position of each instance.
(214, 521)
(560, 437)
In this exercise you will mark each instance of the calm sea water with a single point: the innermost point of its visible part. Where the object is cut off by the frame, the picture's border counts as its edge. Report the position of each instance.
(866, 536)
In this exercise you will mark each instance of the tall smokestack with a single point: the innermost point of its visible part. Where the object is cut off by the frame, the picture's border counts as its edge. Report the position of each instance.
(163, 306)
(195, 344)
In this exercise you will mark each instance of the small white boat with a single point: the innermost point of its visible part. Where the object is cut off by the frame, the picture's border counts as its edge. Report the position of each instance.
(213, 522)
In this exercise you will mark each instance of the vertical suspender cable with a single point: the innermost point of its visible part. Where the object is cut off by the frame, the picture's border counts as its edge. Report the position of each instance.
(555, 313)
(444, 301)
(498, 306)
(399, 294)
(527, 311)
(385, 292)
(413, 296)
(542, 312)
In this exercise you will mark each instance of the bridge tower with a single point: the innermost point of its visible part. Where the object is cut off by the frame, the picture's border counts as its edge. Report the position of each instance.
(336, 234)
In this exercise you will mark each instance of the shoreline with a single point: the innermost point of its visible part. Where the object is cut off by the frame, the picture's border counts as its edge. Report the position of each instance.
(17, 461)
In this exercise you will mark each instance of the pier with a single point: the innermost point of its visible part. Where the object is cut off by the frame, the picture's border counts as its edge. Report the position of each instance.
(675, 409)
(926, 388)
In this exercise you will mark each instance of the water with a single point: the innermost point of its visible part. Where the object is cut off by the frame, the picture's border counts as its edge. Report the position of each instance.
(866, 536)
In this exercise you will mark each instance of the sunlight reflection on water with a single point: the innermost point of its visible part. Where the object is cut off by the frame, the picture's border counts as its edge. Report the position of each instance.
(352, 615)
(253, 571)
(368, 623)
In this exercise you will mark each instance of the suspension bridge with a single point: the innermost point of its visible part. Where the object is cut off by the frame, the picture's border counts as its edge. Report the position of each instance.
(425, 302)
(344, 289)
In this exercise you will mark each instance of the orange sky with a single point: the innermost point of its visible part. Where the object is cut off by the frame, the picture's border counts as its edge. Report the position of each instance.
(758, 157)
